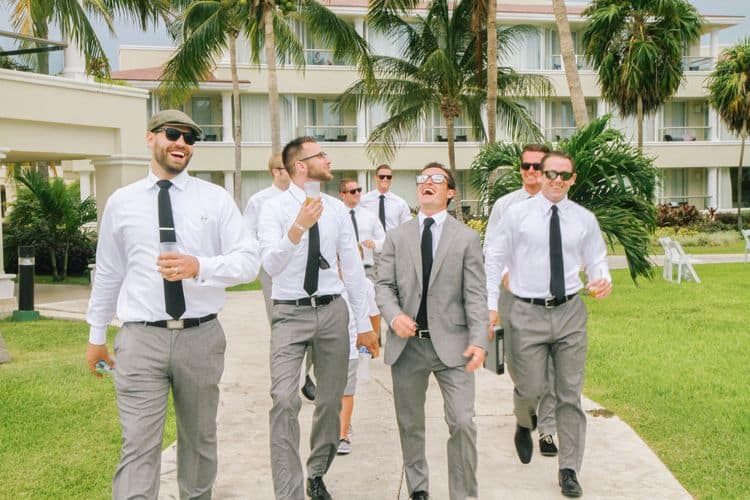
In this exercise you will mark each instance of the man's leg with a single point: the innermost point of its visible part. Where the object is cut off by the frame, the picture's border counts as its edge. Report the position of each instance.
(291, 329)
(410, 375)
(457, 386)
(141, 386)
(196, 368)
(569, 354)
(266, 284)
(547, 404)
(330, 353)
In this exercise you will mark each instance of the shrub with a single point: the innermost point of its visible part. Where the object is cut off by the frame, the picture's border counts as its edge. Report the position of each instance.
(478, 225)
(681, 215)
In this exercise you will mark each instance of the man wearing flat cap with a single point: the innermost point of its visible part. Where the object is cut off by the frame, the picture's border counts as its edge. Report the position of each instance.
(168, 246)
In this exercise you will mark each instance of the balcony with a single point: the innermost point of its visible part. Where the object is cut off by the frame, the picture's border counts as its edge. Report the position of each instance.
(462, 133)
(685, 134)
(698, 63)
(555, 134)
(330, 133)
(557, 62)
(212, 133)
(322, 57)
(34, 55)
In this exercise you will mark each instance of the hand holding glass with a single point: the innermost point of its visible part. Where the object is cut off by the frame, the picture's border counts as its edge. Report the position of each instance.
(312, 190)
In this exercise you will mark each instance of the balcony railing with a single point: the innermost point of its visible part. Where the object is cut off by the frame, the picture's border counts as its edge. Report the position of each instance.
(462, 133)
(685, 134)
(26, 53)
(212, 133)
(331, 133)
(556, 133)
(321, 57)
(557, 62)
(698, 63)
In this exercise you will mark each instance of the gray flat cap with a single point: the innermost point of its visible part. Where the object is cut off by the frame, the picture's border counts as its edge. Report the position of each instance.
(174, 117)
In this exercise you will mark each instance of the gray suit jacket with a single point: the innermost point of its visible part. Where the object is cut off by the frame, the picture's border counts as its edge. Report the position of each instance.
(456, 297)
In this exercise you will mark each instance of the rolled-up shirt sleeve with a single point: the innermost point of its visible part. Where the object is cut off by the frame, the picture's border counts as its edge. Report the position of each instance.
(275, 246)
(496, 258)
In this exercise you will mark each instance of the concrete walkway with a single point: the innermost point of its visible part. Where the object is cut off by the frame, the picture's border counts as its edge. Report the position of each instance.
(617, 463)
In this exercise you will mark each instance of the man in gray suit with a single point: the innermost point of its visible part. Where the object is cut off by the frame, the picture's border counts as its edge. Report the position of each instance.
(431, 291)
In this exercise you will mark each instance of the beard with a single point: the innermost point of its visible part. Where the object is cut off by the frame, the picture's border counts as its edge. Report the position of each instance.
(169, 164)
(319, 173)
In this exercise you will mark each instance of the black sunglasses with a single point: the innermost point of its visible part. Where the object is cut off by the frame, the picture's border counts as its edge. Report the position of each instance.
(527, 165)
(385, 176)
(173, 134)
(354, 191)
(554, 174)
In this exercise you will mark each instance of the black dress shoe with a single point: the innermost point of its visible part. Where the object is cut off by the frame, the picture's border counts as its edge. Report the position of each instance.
(420, 495)
(524, 445)
(547, 445)
(308, 390)
(569, 485)
(316, 489)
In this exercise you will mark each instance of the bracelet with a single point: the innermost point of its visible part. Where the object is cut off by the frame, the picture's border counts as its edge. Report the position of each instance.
(299, 226)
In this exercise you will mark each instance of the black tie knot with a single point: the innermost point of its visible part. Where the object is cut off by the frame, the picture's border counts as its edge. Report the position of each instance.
(554, 209)
(351, 211)
(382, 197)
(428, 222)
(164, 184)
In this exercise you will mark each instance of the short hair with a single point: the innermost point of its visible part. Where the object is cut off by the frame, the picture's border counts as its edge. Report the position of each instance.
(535, 148)
(275, 162)
(343, 183)
(292, 148)
(381, 167)
(560, 154)
(446, 172)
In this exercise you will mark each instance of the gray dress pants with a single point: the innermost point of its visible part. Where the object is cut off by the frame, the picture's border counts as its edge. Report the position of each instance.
(150, 360)
(293, 329)
(410, 375)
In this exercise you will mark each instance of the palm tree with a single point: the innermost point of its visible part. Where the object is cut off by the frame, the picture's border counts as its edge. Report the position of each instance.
(53, 214)
(491, 72)
(729, 93)
(614, 180)
(439, 72)
(577, 100)
(636, 47)
(72, 17)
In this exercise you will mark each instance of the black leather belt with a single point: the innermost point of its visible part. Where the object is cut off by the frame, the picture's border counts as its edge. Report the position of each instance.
(549, 302)
(422, 334)
(178, 324)
(314, 301)
(367, 266)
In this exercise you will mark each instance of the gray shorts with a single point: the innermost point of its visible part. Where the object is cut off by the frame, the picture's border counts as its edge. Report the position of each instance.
(351, 378)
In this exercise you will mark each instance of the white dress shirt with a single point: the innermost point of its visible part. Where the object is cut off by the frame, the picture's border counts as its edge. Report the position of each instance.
(523, 247)
(285, 262)
(436, 228)
(397, 211)
(208, 227)
(254, 206)
(369, 228)
(372, 307)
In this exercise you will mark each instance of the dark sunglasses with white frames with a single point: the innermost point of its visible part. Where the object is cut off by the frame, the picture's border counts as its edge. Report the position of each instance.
(554, 174)
(436, 178)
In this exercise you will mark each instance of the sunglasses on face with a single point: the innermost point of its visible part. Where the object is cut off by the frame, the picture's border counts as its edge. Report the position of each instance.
(527, 165)
(436, 178)
(385, 176)
(354, 191)
(553, 174)
(320, 155)
(174, 134)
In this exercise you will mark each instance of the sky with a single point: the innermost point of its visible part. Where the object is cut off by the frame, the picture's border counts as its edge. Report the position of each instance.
(131, 35)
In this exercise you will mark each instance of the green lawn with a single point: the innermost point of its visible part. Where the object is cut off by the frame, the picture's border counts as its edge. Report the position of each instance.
(59, 431)
(737, 247)
(46, 279)
(253, 285)
(672, 361)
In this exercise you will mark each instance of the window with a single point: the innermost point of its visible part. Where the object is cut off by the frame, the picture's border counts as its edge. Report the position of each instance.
(319, 118)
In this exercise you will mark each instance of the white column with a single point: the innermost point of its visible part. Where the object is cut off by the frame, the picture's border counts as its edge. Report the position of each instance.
(543, 118)
(74, 63)
(362, 179)
(362, 125)
(226, 116)
(712, 183)
(84, 180)
(229, 181)
(714, 47)
(4, 279)
(658, 125)
(724, 188)
(713, 122)
(601, 108)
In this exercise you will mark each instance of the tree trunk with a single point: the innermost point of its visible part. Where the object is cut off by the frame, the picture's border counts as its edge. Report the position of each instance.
(639, 121)
(577, 99)
(53, 264)
(449, 122)
(743, 137)
(273, 86)
(491, 71)
(64, 270)
(236, 124)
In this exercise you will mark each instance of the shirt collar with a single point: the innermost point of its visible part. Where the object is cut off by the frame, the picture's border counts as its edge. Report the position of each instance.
(179, 181)
(547, 205)
(439, 217)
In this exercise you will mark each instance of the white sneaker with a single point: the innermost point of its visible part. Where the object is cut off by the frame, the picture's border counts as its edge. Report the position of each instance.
(345, 447)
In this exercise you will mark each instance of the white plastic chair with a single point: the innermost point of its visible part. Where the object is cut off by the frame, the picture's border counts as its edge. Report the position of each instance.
(665, 241)
(684, 263)
(746, 234)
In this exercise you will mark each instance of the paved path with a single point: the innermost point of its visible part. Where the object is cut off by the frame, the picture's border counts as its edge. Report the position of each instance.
(617, 463)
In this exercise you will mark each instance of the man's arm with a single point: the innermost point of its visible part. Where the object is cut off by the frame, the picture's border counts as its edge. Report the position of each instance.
(405, 214)
(475, 302)
(378, 235)
(352, 272)
(594, 256)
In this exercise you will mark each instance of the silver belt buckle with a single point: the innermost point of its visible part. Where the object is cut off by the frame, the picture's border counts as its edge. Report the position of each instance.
(422, 332)
(175, 324)
(549, 303)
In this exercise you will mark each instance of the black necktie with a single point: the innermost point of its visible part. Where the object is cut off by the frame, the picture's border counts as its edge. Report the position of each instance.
(426, 269)
(313, 261)
(381, 210)
(174, 297)
(557, 269)
(354, 223)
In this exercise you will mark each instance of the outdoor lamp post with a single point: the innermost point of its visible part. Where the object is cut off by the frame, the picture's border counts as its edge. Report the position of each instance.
(26, 262)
